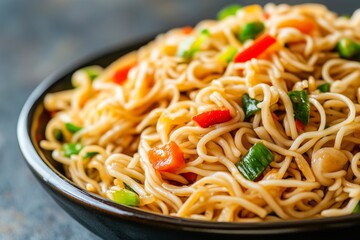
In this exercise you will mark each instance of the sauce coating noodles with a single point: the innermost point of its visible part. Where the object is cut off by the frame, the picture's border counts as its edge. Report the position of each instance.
(104, 129)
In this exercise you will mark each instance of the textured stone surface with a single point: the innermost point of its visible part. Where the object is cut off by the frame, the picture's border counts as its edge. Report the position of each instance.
(38, 37)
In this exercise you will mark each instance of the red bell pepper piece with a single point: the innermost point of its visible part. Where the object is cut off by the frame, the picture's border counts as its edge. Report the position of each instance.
(299, 125)
(258, 47)
(167, 158)
(190, 176)
(120, 75)
(208, 118)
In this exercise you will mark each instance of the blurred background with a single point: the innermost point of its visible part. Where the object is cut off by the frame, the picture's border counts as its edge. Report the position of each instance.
(38, 37)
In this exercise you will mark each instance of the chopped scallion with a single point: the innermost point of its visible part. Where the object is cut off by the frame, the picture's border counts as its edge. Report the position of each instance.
(128, 187)
(301, 105)
(356, 208)
(250, 106)
(250, 30)
(228, 54)
(253, 164)
(71, 149)
(72, 128)
(92, 71)
(90, 155)
(228, 11)
(205, 32)
(126, 197)
(348, 49)
(59, 135)
(325, 87)
(190, 46)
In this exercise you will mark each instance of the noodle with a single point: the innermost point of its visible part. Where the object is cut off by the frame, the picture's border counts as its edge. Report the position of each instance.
(105, 130)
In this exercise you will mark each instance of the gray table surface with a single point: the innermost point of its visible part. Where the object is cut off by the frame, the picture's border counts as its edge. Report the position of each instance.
(38, 37)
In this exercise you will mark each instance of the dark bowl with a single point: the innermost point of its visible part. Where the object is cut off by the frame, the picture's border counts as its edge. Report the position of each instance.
(113, 221)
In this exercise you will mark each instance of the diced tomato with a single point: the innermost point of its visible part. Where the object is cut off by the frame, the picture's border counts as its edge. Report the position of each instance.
(190, 176)
(120, 76)
(208, 118)
(167, 158)
(258, 47)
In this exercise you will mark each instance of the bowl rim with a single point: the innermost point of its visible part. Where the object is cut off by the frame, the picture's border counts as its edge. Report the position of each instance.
(62, 185)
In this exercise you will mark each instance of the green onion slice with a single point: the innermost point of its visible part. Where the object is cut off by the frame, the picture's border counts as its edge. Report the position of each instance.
(126, 197)
(90, 155)
(356, 208)
(128, 187)
(72, 128)
(325, 87)
(228, 54)
(59, 135)
(227, 11)
(71, 149)
(190, 46)
(92, 71)
(253, 164)
(251, 30)
(249, 106)
(348, 49)
(301, 105)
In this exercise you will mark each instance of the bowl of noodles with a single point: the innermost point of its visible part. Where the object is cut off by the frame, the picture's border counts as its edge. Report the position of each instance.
(245, 125)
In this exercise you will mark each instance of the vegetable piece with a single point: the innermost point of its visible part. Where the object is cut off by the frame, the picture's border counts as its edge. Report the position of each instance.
(167, 158)
(301, 105)
(253, 9)
(90, 155)
(266, 15)
(126, 197)
(128, 187)
(59, 135)
(325, 87)
(72, 128)
(356, 208)
(92, 72)
(249, 106)
(228, 11)
(187, 29)
(258, 47)
(250, 30)
(190, 46)
(71, 149)
(252, 165)
(306, 26)
(120, 76)
(299, 125)
(190, 176)
(209, 118)
(228, 54)
(348, 49)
